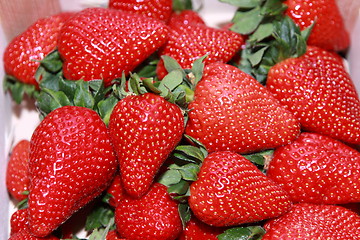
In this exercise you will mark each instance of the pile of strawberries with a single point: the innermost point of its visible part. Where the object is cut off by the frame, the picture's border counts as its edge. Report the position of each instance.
(157, 126)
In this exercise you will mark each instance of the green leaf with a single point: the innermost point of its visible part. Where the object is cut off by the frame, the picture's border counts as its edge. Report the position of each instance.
(243, 3)
(83, 97)
(247, 22)
(273, 8)
(171, 64)
(263, 31)
(179, 188)
(52, 62)
(242, 233)
(189, 154)
(172, 80)
(101, 233)
(188, 171)
(257, 56)
(185, 213)
(49, 100)
(170, 177)
(198, 69)
(307, 31)
(105, 108)
(101, 216)
(180, 5)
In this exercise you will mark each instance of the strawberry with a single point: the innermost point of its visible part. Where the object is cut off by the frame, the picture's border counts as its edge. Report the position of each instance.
(188, 42)
(319, 91)
(309, 221)
(230, 190)
(329, 31)
(71, 162)
(23, 53)
(113, 235)
(317, 169)
(144, 130)
(154, 216)
(17, 173)
(159, 9)
(29, 236)
(19, 221)
(116, 191)
(232, 111)
(196, 230)
(99, 43)
(185, 17)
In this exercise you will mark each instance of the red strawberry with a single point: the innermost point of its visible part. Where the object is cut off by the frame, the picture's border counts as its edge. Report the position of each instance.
(144, 130)
(22, 54)
(17, 173)
(185, 17)
(230, 190)
(188, 42)
(329, 31)
(154, 216)
(71, 162)
(196, 230)
(19, 221)
(159, 9)
(232, 111)
(99, 43)
(116, 191)
(29, 236)
(317, 169)
(309, 221)
(317, 88)
(113, 235)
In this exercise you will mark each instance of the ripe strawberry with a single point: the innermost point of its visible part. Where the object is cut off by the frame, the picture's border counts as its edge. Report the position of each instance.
(144, 130)
(196, 230)
(159, 9)
(188, 42)
(309, 221)
(22, 55)
(319, 91)
(116, 191)
(17, 173)
(185, 17)
(230, 190)
(19, 221)
(329, 31)
(29, 236)
(99, 43)
(154, 216)
(232, 111)
(71, 162)
(113, 235)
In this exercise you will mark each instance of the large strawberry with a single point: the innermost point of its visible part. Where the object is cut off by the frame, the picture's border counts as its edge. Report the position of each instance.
(154, 216)
(99, 43)
(71, 162)
(329, 31)
(317, 88)
(23, 53)
(159, 9)
(230, 190)
(17, 173)
(144, 130)
(188, 42)
(232, 111)
(309, 221)
(317, 169)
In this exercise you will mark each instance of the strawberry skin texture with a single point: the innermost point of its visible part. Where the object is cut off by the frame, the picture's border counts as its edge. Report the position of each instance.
(34, 43)
(116, 191)
(17, 173)
(185, 17)
(329, 31)
(154, 216)
(29, 236)
(232, 111)
(230, 190)
(159, 9)
(196, 230)
(309, 221)
(188, 42)
(71, 162)
(317, 169)
(99, 43)
(19, 221)
(144, 130)
(319, 91)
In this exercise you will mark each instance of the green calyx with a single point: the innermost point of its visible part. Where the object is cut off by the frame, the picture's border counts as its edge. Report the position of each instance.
(18, 89)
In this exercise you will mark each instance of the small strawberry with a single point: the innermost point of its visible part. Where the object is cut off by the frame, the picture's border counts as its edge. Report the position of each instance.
(71, 162)
(319, 91)
(116, 191)
(23, 53)
(99, 43)
(154, 216)
(17, 173)
(196, 230)
(188, 42)
(308, 221)
(232, 111)
(19, 221)
(230, 190)
(159, 9)
(144, 130)
(329, 31)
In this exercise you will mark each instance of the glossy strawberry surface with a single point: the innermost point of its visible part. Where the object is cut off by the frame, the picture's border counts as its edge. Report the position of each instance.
(144, 130)
(232, 111)
(116, 191)
(71, 162)
(154, 216)
(17, 172)
(196, 229)
(19, 221)
(319, 91)
(101, 43)
(230, 190)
